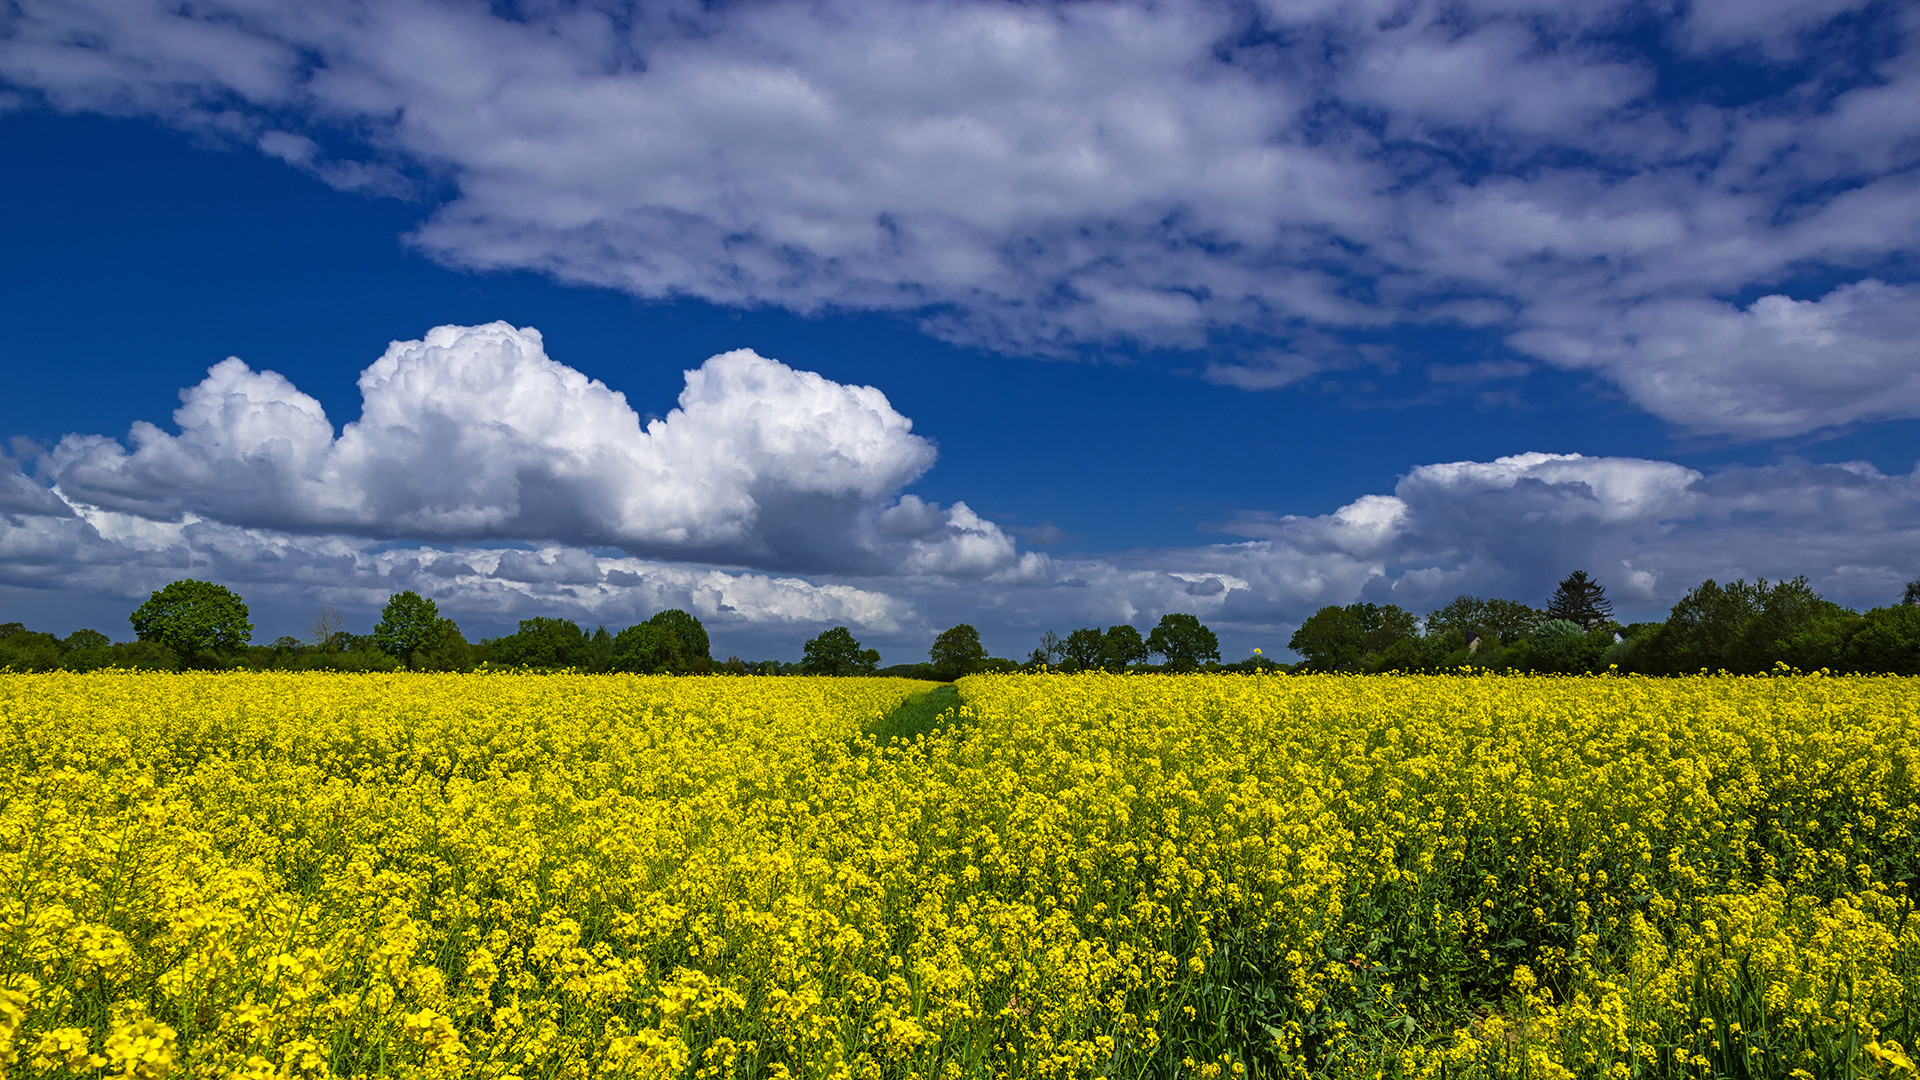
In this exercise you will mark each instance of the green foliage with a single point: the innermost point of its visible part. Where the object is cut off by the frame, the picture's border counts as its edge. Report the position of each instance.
(1888, 640)
(837, 652)
(86, 650)
(600, 650)
(1081, 649)
(1501, 621)
(1746, 629)
(957, 651)
(544, 643)
(1580, 599)
(1344, 638)
(22, 649)
(445, 649)
(407, 624)
(1184, 641)
(694, 653)
(1122, 646)
(1562, 647)
(144, 656)
(198, 620)
(672, 642)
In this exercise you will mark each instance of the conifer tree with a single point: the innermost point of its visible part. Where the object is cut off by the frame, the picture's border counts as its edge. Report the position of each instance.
(1580, 599)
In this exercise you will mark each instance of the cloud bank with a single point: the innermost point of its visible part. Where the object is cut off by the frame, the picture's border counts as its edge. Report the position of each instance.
(474, 433)
(1045, 177)
(529, 474)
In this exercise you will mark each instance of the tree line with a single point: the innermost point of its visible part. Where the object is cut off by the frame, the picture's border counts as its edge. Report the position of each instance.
(201, 625)
(1743, 628)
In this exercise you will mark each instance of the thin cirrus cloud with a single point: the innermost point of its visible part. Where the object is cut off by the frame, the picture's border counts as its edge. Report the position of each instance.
(1040, 178)
(476, 434)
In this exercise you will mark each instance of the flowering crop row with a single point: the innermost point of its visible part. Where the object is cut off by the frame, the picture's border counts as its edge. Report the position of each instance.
(437, 875)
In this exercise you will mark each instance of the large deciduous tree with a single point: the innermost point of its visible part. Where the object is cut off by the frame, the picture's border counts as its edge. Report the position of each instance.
(837, 652)
(671, 642)
(198, 620)
(1340, 638)
(956, 652)
(1122, 646)
(1505, 621)
(1184, 640)
(1081, 649)
(409, 623)
(544, 642)
(695, 653)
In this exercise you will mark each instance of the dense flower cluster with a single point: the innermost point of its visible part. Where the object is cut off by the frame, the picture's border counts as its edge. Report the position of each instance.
(304, 875)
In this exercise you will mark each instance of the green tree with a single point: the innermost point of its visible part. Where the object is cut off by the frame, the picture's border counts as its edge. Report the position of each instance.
(1343, 638)
(544, 642)
(1330, 639)
(1745, 628)
(1081, 649)
(145, 656)
(22, 649)
(1887, 642)
(1563, 647)
(1702, 628)
(671, 642)
(644, 649)
(1791, 624)
(446, 649)
(407, 624)
(1504, 621)
(837, 652)
(693, 653)
(86, 650)
(600, 650)
(1911, 597)
(198, 620)
(1122, 646)
(956, 652)
(1185, 641)
(85, 639)
(1580, 599)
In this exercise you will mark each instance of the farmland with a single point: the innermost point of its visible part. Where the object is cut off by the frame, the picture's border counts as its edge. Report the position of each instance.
(280, 874)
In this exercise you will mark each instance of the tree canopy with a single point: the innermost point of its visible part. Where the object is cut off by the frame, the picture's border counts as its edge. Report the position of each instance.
(1580, 599)
(1505, 621)
(1122, 646)
(409, 623)
(1339, 638)
(694, 652)
(1185, 641)
(544, 642)
(956, 652)
(671, 642)
(196, 619)
(838, 652)
(1081, 648)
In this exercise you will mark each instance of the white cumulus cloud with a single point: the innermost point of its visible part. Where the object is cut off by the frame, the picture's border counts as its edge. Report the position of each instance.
(475, 433)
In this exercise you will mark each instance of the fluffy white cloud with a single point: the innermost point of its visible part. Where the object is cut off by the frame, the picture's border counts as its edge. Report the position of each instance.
(75, 553)
(474, 433)
(1038, 177)
(1512, 527)
(1776, 367)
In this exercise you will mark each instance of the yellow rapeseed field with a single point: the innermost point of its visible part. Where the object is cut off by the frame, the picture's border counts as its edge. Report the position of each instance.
(310, 875)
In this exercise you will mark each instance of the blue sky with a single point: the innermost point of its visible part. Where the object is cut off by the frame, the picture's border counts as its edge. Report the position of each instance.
(1225, 308)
